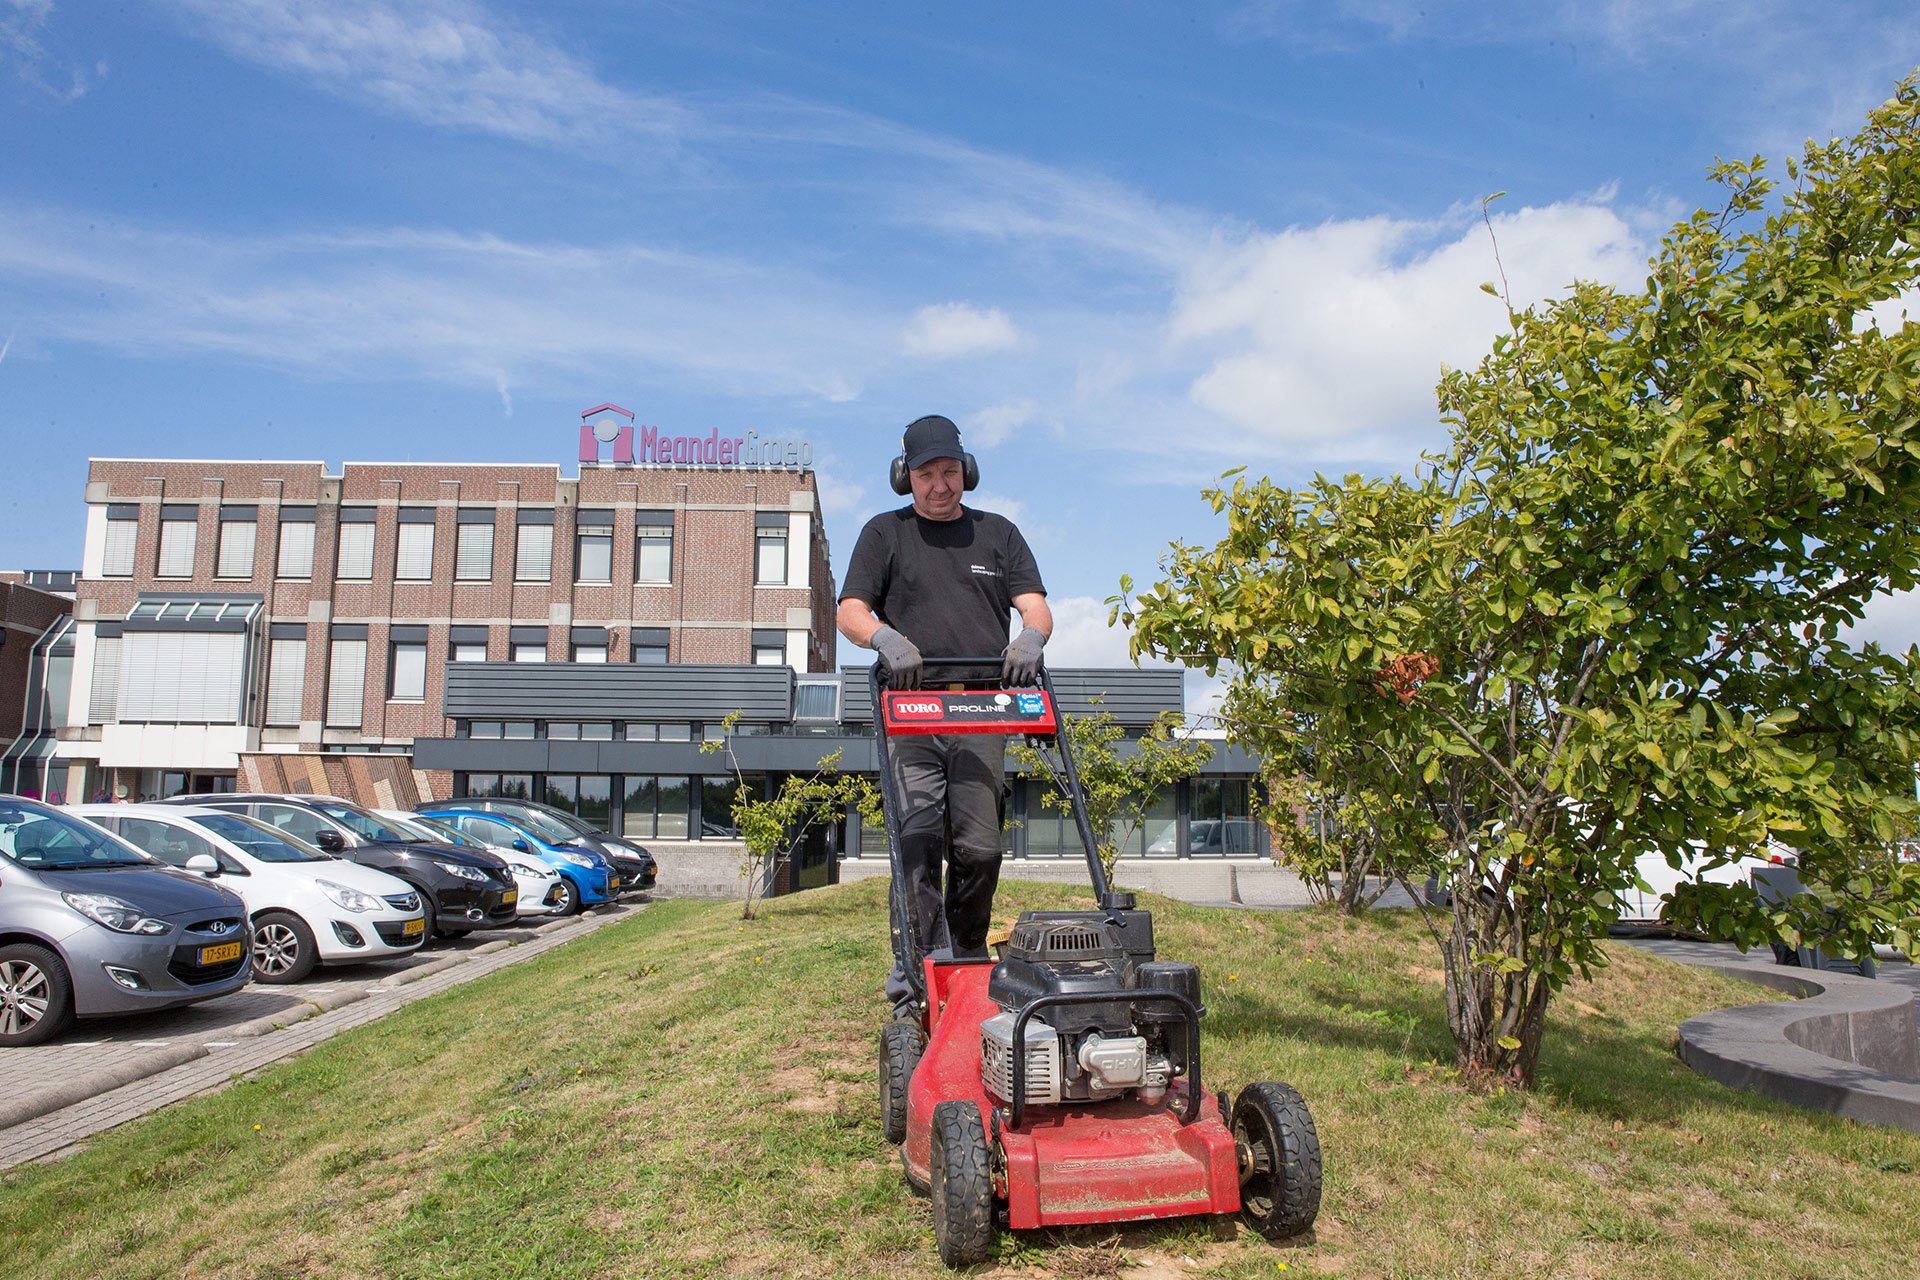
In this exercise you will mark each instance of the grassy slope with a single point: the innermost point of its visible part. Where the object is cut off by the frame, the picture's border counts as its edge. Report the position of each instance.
(690, 1094)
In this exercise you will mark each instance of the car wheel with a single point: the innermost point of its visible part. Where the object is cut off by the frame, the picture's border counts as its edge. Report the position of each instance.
(1279, 1152)
(36, 996)
(962, 1185)
(428, 914)
(283, 948)
(566, 901)
(900, 1047)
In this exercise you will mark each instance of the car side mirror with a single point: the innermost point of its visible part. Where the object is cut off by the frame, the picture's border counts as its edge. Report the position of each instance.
(204, 864)
(521, 845)
(331, 841)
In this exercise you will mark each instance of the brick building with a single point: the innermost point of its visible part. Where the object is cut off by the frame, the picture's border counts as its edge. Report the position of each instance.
(36, 672)
(228, 609)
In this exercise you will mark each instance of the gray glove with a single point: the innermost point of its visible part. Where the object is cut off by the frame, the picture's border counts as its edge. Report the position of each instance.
(1021, 664)
(900, 655)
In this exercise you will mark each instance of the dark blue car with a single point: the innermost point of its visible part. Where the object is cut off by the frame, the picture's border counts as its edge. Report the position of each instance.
(587, 876)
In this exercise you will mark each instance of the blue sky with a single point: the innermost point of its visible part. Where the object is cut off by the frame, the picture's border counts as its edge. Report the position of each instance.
(1125, 245)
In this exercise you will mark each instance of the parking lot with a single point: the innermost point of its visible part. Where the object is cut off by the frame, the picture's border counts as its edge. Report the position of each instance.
(108, 1071)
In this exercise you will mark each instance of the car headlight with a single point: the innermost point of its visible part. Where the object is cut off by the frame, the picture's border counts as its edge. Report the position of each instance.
(533, 869)
(465, 873)
(115, 913)
(576, 859)
(350, 898)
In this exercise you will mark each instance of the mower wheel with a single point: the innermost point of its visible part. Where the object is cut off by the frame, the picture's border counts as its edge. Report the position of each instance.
(962, 1186)
(900, 1048)
(1279, 1153)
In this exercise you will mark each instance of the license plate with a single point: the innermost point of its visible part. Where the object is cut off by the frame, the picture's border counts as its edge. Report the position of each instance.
(219, 955)
(510, 897)
(410, 927)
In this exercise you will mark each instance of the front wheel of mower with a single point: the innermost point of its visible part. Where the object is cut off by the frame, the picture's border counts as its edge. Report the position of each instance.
(962, 1187)
(1279, 1153)
(900, 1048)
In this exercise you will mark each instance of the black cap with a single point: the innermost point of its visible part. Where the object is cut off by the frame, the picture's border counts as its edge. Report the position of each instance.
(931, 437)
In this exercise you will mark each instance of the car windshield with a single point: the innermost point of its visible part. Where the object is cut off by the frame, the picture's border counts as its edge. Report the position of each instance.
(445, 834)
(544, 824)
(368, 827)
(48, 841)
(269, 844)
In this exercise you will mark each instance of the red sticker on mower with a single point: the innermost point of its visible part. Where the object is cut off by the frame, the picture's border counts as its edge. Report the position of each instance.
(970, 711)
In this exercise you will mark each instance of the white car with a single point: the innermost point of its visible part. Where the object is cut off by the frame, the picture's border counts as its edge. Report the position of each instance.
(307, 907)
(542, 890)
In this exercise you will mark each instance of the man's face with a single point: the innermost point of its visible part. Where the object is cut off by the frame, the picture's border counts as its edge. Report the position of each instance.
(937, 488)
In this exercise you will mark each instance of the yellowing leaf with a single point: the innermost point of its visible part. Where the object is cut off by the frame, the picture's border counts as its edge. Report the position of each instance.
(1508, 1042)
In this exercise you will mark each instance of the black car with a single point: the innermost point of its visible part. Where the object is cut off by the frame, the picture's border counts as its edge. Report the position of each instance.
(635, 865)
(461, 889)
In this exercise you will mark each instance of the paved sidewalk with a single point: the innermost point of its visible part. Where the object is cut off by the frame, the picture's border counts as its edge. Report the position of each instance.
(54, 1096)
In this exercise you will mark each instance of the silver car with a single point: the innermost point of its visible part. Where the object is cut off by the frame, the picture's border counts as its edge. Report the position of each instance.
(90, 926)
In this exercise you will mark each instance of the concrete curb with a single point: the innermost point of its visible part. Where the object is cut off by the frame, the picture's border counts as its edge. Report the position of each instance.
(79, 1088)
(1846, 1047)
(268, 1022)
(419, 971)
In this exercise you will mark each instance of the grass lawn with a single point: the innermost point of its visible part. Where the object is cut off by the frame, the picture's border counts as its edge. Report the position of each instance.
(689, 1094)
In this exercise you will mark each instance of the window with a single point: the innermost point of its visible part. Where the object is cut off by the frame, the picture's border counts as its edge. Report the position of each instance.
(123, 531)
(178, 535)
(301, 824)
(473, 559)
(816, 700)
(407, 675)
(296, 543)
(356, 545)
(588, 796)
(656, 808)
(593, 547)
(575, 731)
(500, 786)
(104, 695)
(650, 645)
(347, 681)
(527, 651)
(235, 558)
(717, 796)
(590, 653)
(770, 551)
(534, 560)
(467, 644)
(484, 729)
(769, 649)
(413, 560)
(1220, 819)
(653, 546)
(194, 671)
(286, 676)
(634, 731)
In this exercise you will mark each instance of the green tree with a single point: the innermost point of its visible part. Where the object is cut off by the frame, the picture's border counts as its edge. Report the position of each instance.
(1120, 778)
(770, 826)
(1606, 621)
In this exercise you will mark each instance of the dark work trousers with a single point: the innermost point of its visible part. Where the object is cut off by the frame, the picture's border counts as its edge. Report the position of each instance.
(949, 788)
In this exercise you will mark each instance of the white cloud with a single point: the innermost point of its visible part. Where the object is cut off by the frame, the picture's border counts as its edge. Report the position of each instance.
(996, 423)
(1012, 508)
(1889, 315)
(23, 26)
(954, 329)
(1330, 339)
(441, 62)
(468, 309)
(1891, 620)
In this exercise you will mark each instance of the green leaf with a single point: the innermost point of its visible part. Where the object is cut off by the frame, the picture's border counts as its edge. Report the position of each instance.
(1509, 1043)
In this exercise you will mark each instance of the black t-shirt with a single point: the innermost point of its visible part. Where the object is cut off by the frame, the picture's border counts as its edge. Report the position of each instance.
(946, 585)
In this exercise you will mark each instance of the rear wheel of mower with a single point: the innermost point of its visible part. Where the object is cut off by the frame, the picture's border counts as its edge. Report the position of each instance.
(962, 1187)
(1279, 1153)
(900, 1049)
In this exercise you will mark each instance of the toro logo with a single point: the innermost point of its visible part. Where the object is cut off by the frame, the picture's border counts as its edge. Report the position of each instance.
(916, 709)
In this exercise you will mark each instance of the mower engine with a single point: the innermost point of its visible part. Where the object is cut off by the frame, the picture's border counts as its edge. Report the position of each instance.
(1079, 1046)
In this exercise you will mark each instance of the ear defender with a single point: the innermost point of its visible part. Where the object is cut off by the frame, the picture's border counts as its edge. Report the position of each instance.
(901, 480)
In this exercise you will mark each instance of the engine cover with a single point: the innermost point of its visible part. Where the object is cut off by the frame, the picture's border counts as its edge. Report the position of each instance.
(1067, 953)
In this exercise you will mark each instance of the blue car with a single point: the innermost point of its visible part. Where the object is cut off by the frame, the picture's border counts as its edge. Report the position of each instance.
(587, 878)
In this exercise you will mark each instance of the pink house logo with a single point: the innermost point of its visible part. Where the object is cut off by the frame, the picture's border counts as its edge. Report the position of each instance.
(606, 424)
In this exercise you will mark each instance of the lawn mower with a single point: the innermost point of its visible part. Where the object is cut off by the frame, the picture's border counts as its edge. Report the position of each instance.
(1060, 1083)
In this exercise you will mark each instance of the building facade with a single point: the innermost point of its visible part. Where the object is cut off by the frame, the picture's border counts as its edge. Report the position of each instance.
(226, 609)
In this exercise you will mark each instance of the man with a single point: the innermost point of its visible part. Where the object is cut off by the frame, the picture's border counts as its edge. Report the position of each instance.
(936, 579)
